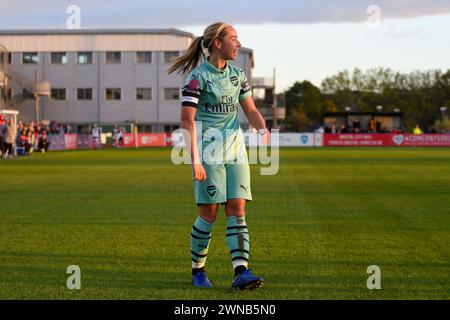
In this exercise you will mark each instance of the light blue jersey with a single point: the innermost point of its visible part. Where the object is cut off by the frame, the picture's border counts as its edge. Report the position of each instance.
(216, 94)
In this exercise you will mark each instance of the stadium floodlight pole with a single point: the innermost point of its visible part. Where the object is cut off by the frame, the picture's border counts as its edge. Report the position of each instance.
(2, 90)
(3, 79)
(36, 97)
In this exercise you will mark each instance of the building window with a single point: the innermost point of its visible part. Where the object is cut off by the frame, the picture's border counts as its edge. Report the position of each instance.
(113, 94)
(144, 57)
(170, 55)
(171, 93)
(30, 58)
(171, 128)
(58, 94)
(84, 58)
(27, 93)
(58, 58)
(84, 94)
(113, 57)
(9, 94)
(9, 60)
(144, 94)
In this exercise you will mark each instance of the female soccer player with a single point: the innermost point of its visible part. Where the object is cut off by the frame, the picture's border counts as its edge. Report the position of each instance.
(211, 96)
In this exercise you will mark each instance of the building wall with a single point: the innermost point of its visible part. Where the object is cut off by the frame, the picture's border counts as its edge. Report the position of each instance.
(128, 75)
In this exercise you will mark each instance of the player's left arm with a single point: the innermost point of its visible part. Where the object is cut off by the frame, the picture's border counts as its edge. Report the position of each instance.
(254, 116)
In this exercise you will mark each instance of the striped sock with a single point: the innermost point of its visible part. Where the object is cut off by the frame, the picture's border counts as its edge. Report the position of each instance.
(200, 238)
(238, 241)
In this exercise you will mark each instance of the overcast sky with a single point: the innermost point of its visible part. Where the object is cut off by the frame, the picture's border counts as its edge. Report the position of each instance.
(301, 39)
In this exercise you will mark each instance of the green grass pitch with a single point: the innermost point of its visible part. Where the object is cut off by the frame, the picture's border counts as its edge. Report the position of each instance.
(124, 217)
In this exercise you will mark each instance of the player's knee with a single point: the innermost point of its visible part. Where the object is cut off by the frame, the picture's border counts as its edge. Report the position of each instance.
(209, 212)
(235, 208)
(208, 217)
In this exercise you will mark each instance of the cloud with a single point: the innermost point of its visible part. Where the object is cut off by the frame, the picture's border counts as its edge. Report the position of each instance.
(395, 33)
(22, 14)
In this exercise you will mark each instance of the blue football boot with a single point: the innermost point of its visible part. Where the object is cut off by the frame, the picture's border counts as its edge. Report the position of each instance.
(247, 280)
(200, 280)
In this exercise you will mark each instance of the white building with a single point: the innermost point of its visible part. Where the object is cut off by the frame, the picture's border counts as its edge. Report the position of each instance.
(100, 76)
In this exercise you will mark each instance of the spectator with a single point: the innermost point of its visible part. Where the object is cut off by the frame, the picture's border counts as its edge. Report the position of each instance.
(121, 133)
(43, 143)
(118, 136)
(2, 133)
(95, 136)
(115, 136)
(31, 138)
(27, 141)
(20, 131)
(10, 138)
(417, 130)
(356, 125)
(319, 130)
(343, 129)
(372, 126)
(378, 126)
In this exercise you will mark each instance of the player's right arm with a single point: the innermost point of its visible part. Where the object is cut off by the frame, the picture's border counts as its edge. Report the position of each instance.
(188, 124)
(189, 102)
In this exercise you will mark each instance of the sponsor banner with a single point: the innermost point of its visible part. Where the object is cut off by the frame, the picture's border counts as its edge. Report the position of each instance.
(421, 140)
(70, 140)
(146, 140)
(357, 139)
(57, 142)
(303, 140)
(386, 140)
(289, 139)
(84, 141)
(151, 139)
(296, 139)
(128, 140)
(318, 139)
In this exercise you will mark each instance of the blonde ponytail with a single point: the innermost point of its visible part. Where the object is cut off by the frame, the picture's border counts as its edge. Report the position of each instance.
(187, 62)
(190, 59)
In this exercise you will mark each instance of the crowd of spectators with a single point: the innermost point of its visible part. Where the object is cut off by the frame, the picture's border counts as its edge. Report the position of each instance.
(374, 126)
(28, 136)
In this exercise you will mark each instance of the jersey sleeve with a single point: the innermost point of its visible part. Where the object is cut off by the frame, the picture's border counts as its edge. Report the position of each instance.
(245, 91)
(190, 94)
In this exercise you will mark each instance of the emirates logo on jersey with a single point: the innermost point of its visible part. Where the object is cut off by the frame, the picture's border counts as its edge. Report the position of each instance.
(227, 99)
